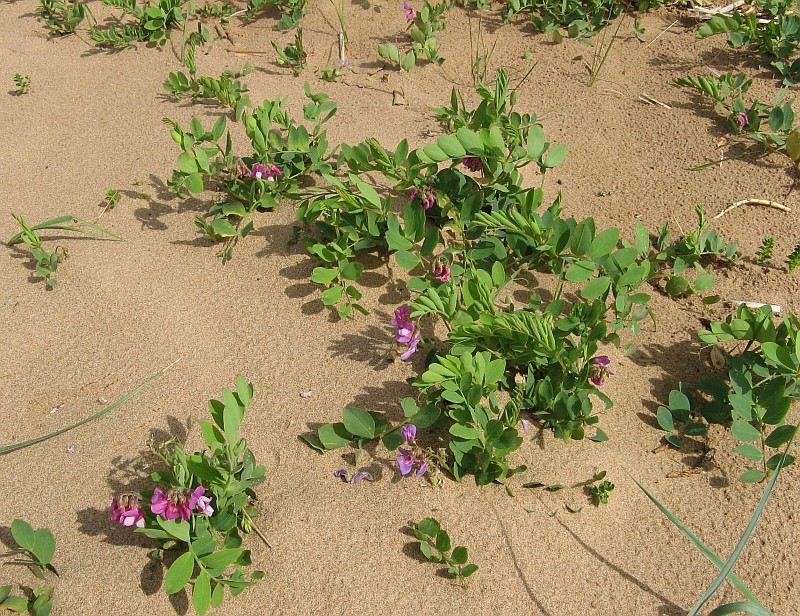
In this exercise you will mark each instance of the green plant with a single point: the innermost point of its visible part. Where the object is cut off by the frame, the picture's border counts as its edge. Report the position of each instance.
(601, 492)
(40, 603)
(436, 546)
(777, 36)
(671, 261)
(293, 55)
(764, 253)
(200, 504)
(47, 262)
(422, 27)
(756, 397)
(228, 91)
(293, 11)
(328, 73)
(35, 548)
(480, 54)
(151, 23)
(793, 260)
(23, 83)
(770, 126)
(62, 17)
(601, 52)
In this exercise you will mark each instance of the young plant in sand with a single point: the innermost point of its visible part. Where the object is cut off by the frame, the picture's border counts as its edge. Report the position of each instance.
(793, 260)
(436, 546)
(597, 488)
(293, 55)
(771, 27)
(480, 54)
(35, 550)
(422, 27)
(227, 91)
(293, 11)
(200, 504)
(696, 250)
(47, 262)
(62, 17)
(765, 251)
(150, 23)
(330, 73)
(757, 396)
(22, 83)
(281, 155)
(769, 126)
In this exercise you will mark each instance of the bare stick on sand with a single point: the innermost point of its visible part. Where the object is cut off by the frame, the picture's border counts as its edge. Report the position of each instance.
(764, 202)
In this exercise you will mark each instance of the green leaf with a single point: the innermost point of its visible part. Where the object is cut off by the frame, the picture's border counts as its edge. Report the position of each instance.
(15, 604)
(332, 296)
(358, 422)
(179, 574)
(595, 288)
(334, 436)
(44, 545)
(463, 431)
(752, 475)
(604, 243)
(580, 271)
(187, 163)
(744, 431)
(23, 534)
(555, 156)
(443, 541)
(459, 555)
(664, 418)
(428, 526)
(749, 452)
(201, 595)
(323, 275)
(407, 260)
(739, 607)
(177, 529)
(677, 286)
(468, 570)
(222, 558)
(217, 595)
(779, 437)
(194, 183)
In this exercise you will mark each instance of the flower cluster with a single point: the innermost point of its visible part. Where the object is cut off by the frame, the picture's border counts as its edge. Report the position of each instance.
(408, 458)
(600, 370)
(411, 14)
(405, 331)
(426, 196)
(473, 163)
(266, 172)
(741, 119)
(126, 511)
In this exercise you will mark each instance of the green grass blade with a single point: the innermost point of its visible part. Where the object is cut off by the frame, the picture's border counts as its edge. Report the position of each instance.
(740, 607)
(702, 547)
(737, 551)
(115, 405)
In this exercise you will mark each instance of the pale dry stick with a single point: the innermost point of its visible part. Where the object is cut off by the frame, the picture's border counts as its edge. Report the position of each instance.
(764, 202)
(644, 96)
(249, 51)
(664, 31)
(755, 305)
(256, 529)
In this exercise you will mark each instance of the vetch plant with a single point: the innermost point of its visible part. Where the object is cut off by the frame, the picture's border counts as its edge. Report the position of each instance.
(436, 546)
(765, 251)
(601, 492)
(35, 550)
(151, 23)
(40, 603)
(422, 27)
(62, 17)
(200, 504)
(293, 11)
(793, 260)
(293, 55)
(228, 91)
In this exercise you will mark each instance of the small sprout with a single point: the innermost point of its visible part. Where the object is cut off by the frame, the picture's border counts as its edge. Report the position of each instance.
(330, 73)
(601, 492)
(435, 545)
(793, 260)
(23, 83)
(765, 251)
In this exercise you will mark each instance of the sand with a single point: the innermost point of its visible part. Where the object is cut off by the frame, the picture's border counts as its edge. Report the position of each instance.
(122, 310)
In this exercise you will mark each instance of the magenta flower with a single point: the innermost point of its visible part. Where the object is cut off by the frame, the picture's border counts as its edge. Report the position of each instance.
(360, 476)
(341, 473)
(411, 14)
(600, 370)
(266, 172)
(126, 511)
(741, 119)
(200, 502)
(409, 433)
(426, 196)
(441, 271)
(405, 461)
(473, 163)
(170, 505)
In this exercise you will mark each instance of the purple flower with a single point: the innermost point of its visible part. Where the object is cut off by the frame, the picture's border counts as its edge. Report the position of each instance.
(441, 271)
(266, 172)
(411, 14)
(170, 505)
(526, 425)
(126, 511)
(200, 502)
(405, 331)
(473, 163)
(405, 461)
(409, 433)
(600, 370)
(341, 473)
(360, 476)
(741, 119)
(422, 468)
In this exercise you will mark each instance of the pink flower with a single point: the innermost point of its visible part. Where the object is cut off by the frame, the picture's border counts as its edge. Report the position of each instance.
(411, 14)
(473, 163)
(170, 505)
(405, 461)
(126, 511)
(405, 331)
(741, 119)
(409, 433)
(360, 476)
(266, 172)
(441, 271)
(200, 502)
(426, 196)
(600, 370)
